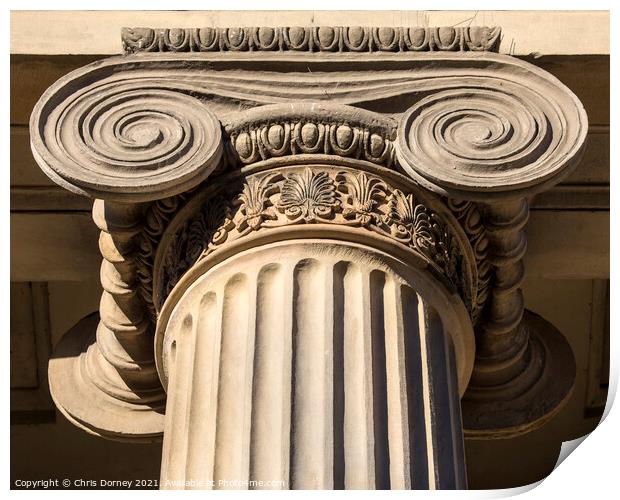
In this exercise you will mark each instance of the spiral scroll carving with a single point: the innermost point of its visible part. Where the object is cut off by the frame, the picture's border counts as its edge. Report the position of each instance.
(127, 143)
(490, 137)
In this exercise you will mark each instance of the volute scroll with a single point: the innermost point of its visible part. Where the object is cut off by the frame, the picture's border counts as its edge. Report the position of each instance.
(418, 143)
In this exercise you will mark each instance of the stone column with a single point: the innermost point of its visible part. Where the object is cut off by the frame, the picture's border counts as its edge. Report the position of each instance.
(301, 230)
(314, 364)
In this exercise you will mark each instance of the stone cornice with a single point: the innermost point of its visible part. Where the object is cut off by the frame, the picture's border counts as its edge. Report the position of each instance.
(311, 39)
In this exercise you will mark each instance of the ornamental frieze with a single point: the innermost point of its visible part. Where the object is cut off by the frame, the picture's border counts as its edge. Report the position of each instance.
(307, 137)
(304, 195)
(311, 39)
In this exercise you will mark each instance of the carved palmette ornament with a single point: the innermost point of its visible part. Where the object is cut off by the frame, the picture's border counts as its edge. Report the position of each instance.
(308, 196)
(364, 195)
(234, 210)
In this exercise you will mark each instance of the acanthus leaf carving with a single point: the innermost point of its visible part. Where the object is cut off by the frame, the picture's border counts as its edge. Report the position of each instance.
(208, 228)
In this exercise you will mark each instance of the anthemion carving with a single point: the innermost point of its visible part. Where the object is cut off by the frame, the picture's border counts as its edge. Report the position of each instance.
(313, 196)
(312, 244)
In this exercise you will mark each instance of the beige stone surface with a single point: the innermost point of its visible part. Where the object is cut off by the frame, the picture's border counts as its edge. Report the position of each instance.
(319, 156)
(314, 364)
(98, 32)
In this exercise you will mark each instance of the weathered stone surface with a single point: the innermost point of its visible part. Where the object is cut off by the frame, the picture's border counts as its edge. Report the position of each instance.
(311, 39)
(201, 160)
(314, 364)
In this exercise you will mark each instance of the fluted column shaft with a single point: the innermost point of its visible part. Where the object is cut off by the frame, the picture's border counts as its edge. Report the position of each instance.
(311, 365)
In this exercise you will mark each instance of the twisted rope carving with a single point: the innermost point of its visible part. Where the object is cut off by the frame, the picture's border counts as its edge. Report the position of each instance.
(121, 362)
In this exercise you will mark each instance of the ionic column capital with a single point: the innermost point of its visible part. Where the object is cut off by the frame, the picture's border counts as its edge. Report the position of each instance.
(472, 125)
(422, 144)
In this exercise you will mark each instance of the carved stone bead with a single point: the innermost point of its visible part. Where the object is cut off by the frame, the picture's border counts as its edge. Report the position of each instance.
(446, 37)
(177, 38)
(206, 38)
(385, 36)
(326, 38)
(298, 37)
(237, 38)
(418, 37)
(376, 145)
(344, 136)
(356, 37)
(243, 145)
(266, 37)
(310, 134)
(276, 136)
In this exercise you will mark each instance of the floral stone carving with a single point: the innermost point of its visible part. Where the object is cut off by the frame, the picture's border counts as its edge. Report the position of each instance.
(264, 134)
(313, 196)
